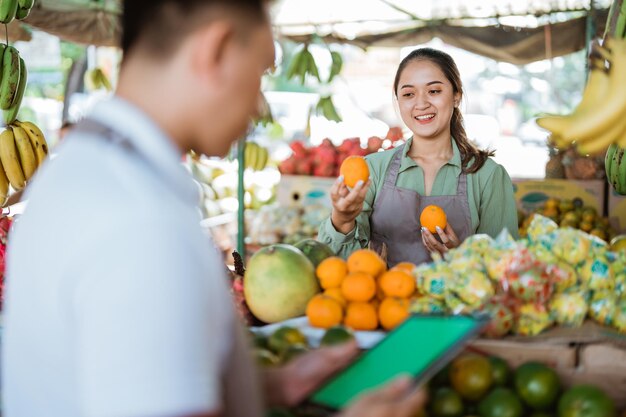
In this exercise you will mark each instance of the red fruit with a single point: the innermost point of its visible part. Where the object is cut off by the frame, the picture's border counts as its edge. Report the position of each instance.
(394, 133)
(374, 144)
(324, 170)
(345, 146)
(288, 166)
(327, 143)
(298, 148)
(304, 167)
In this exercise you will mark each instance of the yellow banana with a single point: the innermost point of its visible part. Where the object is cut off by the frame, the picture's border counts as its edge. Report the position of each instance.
(602, 141)
(37, 140)
(28, 160)
(612, 107)
(4, 185)
(262, 159)
(10, 159)
(595, 91)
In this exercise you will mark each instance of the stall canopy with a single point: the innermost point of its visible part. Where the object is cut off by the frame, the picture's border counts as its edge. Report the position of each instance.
(514, 31)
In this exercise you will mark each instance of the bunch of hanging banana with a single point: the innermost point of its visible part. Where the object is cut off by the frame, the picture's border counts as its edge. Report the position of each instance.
(95, 79)
(598, 120)
(302, 64)
(255, 156)
(23, 149)
(13, 76)
(14, 9)
(326, 108)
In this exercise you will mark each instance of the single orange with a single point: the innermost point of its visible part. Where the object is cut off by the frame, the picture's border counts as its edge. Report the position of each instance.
(366, 260)
(433, 216)
(331, 271)
(354, 169)
(358, 286)
(405, 266)
(335, 293)
(392, 312)
(361, 316)
(323, 311)
(397, 284)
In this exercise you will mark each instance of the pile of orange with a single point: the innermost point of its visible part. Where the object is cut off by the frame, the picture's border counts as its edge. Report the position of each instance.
(361, 293)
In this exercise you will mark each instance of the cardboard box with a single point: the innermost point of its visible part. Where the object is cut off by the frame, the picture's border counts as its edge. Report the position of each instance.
(532, 194)
(617, 210)
(304, 190)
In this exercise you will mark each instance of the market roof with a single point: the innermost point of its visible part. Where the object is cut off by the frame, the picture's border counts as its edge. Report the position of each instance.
(510, 30)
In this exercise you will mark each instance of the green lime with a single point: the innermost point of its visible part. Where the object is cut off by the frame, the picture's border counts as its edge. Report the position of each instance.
(500, 402)
(445, 402)
(500, 371)
(471, 376)
(586, 401)
(336, 335)
(537, 385)
(265, 357)
(285, 336)
(292, 351)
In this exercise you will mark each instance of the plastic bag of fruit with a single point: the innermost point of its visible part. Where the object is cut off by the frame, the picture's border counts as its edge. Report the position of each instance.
(569, 309)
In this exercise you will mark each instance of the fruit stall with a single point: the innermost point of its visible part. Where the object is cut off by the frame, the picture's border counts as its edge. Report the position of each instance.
(556, 297)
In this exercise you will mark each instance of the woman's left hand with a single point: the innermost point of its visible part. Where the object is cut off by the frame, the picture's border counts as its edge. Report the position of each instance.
(449, 240)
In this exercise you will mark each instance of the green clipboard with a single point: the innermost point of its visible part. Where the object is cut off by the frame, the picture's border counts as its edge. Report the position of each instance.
(420, 346)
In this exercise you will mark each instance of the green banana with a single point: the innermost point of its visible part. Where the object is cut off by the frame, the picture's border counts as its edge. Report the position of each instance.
(608, 161)
(10, 77)
(37, 140)
(11, 114)
(25, 4)
(21, 13)
(336, 65)
(10, 159)
(28, 159)
(8, 8)
(621, 174)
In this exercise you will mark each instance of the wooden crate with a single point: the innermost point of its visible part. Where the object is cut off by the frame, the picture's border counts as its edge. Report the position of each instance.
(516, 353)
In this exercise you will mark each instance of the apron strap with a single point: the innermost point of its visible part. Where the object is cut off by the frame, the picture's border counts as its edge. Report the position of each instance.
(394, 168)
(91, 126)
(461, 185)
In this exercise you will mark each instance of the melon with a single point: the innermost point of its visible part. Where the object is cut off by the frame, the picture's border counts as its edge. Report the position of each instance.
(314, 250)
(279, 282)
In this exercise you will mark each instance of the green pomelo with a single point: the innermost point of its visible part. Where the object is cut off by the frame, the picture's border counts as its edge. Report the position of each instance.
(279, 282)
(314, 250)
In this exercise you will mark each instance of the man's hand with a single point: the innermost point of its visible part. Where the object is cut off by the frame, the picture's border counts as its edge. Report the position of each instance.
(399, 398)
(292, 383)
(347, 204)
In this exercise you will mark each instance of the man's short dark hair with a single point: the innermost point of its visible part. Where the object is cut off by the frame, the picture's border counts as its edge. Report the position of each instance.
(160, 25)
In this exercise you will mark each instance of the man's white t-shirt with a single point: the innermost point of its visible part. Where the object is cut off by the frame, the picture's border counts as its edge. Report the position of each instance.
(117, 303)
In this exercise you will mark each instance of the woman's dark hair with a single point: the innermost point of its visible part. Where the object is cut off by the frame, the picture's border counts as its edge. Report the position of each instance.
(469, 152)
(159, 25)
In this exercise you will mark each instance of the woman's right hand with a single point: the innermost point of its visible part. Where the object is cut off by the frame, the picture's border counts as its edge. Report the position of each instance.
(399, 398)
(347, 204)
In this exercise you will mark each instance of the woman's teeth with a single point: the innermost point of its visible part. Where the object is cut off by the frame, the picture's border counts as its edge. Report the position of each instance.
(425, 117)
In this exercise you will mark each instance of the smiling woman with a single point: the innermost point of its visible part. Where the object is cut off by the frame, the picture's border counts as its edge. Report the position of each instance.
(437, 166)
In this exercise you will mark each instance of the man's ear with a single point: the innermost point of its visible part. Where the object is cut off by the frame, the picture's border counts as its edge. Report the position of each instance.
(209, 46)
